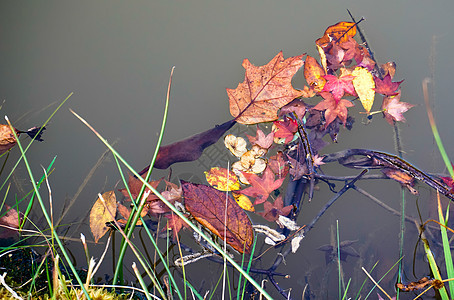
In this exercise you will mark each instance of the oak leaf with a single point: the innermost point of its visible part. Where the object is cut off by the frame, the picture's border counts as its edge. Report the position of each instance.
(261, 187)
(220, 214)
(386, 86)
(339, 85)
(265, 90)
(272, 211)
(333, 108)
(393, 108)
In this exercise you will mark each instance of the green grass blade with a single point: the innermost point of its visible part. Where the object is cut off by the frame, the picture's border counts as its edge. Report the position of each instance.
(446, 248)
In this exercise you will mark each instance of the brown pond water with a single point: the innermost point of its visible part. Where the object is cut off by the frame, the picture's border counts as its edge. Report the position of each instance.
(116, 57)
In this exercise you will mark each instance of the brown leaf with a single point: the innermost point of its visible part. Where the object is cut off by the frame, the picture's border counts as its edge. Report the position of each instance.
(278, 165)
(135, 185)
(276, 209)
(189, 149)
(265, 90)
(339, 32)
(10, 219)
(7, 139)
(101, 213)
(220, 214)
(314, 73)
(175, 223)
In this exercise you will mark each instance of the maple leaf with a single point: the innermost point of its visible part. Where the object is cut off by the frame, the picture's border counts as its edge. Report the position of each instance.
(386, 86)
(220, 214)
(352, 50)
(272, 211)
(393, 108)
(175, 223)
(333, 108)
(339, 85)
(261, 140)
(336, 57)
(284, 130)
(265, 90)
(261, 187)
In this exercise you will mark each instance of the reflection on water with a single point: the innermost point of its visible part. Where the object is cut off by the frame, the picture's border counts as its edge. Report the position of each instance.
(116, 58)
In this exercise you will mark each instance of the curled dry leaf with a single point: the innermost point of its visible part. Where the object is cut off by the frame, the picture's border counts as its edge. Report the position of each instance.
(222, 179)
(10, 219)
(220, 214)
(265, 90)
(364, 86)
(236, 145)
(102, 213)
(7, 139)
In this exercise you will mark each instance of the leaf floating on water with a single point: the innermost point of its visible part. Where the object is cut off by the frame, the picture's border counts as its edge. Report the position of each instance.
(208, 206)
(7, 139)
(222, 179)
(265, 90)
(364, 86)
(101, 213)
(189, 149)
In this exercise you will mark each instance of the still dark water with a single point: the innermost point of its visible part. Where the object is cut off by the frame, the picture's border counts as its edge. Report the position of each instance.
(116, 57)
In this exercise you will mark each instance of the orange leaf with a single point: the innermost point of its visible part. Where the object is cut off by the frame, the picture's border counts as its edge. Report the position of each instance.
(7, 139)
(265, 90)
(220, 214)
(340, 31)
(314, 73)
(101, 213)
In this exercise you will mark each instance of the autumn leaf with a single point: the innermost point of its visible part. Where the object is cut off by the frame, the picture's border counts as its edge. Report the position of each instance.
(313, 73)
(352, 50)
(386, 86)
(236, 145)
(261, 140)
(284, 130)
(10, 219)
(190, 148)
(7, 139)
(339, 32)
(393, 108)
(364, 86)
(333, 108)
(243, 201)
(126, 212)
(278, 165)
(222, 179)
(220, 214)
(339, 85)
(135, 185)
(265, 90)
(261, 187)
(297, 169)
(102, 213)
(297, 106)
(272, 211)
(389, 68)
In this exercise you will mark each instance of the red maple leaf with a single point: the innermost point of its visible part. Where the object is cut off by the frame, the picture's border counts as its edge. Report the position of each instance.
(285, 129)
(386, 86)
(333, 108)
(339, 85)
(352, 50)
(393, 109)
(261, 140)
(261, 187)
(272, 211)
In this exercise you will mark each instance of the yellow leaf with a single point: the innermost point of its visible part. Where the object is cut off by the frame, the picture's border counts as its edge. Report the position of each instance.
(101, 213)
(364, 86)
(222, 179)
(243, 201)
